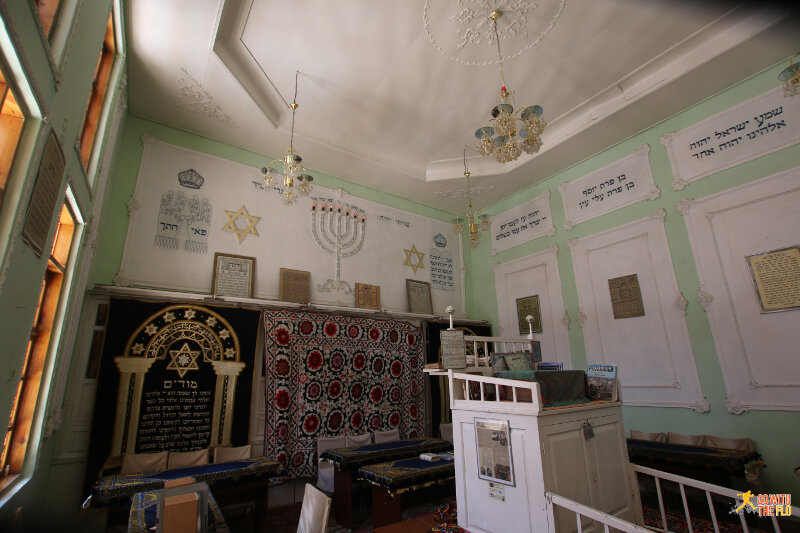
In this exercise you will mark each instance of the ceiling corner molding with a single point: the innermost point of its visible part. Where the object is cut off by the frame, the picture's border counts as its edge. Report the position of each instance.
(234, 55)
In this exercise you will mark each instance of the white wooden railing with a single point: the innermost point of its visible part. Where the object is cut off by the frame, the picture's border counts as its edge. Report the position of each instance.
(709, 489)
(498, 345)
(610, 521)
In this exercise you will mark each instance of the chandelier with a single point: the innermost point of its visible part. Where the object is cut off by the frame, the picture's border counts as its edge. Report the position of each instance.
(290, 169)
(475, 220)
(503, 140)
(791, 78)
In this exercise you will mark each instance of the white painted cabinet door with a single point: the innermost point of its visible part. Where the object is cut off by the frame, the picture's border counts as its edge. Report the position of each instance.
(592, 471)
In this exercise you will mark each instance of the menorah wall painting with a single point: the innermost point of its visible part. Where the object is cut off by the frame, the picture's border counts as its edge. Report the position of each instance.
(340, 232)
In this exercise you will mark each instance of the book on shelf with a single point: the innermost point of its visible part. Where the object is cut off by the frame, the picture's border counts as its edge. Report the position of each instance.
(602, 382)
(545, 365)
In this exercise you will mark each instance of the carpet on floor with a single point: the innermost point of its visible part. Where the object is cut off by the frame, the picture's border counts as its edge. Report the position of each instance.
(677, 523)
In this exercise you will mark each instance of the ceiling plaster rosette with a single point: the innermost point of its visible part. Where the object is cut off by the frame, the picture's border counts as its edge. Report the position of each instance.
(462, 30)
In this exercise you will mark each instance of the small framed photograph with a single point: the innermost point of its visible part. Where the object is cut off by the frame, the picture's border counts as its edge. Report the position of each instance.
(419, 297)
(493, 440)
(295, 286)
(233, 275)
(368, 296)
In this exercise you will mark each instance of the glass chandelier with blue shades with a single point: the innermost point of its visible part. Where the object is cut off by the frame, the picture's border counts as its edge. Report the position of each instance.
(290, 169)
(500, 137)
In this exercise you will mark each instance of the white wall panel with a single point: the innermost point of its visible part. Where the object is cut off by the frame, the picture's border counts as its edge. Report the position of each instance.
(653, 353)
(757, 351)
(536, 274)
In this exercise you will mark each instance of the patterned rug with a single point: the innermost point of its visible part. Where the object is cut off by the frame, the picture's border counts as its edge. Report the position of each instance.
(330, 375)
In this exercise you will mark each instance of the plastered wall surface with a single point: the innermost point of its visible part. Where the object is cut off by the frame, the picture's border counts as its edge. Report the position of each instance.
(776, 433)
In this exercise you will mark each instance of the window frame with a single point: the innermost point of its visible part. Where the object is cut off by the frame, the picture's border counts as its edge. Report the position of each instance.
(90, 171)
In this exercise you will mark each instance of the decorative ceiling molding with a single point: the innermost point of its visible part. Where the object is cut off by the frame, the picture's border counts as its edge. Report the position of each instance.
(192, 96)
(471, 26)
(460, 194)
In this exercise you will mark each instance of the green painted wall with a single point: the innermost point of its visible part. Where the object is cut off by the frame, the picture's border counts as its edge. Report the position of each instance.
(61, 89)
(776, 433)
(115, 213)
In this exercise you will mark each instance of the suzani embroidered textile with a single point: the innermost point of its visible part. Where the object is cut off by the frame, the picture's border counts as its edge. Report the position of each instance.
(329, 375)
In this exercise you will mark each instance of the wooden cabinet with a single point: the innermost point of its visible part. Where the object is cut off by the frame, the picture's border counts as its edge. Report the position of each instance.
(578, 453)
(584, 458)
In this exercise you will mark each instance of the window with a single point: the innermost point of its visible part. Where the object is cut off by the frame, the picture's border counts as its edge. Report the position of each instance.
(23, 409)
(47, 14)
(11, 121)
(102, 76)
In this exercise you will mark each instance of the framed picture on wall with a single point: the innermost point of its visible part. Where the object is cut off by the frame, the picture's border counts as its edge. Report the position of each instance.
(368, 296)
(529, 306)
(419, 297)
(493, 440)
(295, 286)
(233, 275)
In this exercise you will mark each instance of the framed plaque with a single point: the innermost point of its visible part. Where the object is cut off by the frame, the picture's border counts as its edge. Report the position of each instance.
(493, 440)
(368, 296)
(777, 278)
(295, 286)
(44, 196)
(419, 297)
(454, 350)
(234, 275)
(626, 297)
(529, 306)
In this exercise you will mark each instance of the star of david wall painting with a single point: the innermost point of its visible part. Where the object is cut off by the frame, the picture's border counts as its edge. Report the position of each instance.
(173, 376)
(414, 259)
(242, 229)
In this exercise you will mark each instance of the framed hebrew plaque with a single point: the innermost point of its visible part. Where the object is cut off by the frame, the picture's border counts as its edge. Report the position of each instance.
(529, 306)
(44, 196)
(777, 278)
(233, 275)
(626, 297)
(368, 296)
(295, 286)
(419, 297)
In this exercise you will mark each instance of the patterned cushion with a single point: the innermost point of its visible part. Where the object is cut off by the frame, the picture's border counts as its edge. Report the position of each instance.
(387, 436)
(133, 463)
(652, 437)
(184, 459)
(498, 362)
(519, 361)
(225, 454)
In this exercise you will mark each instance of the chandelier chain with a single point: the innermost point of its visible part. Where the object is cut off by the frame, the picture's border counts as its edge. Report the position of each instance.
(294, 108)
(499, 54)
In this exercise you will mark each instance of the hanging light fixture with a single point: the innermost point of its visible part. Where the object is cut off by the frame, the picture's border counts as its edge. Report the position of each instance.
(791, 78)
(476, 221)
(290, 169)
(503, 140)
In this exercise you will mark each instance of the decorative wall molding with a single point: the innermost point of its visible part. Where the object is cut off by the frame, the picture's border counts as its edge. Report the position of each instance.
(617, 185)
(653, 352)
(535, 274)
(681, 303)
(705, 298)
(735, 407)
(565, 320)
(756, 127)
(755, 349)
(581, 317)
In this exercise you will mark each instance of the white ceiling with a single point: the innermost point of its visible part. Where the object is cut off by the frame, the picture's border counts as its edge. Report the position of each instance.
(388, 100)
